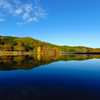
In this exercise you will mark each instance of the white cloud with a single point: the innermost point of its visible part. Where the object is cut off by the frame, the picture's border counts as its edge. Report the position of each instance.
(25, 15)
(25, 11)
(28, 7)
(2, 19)
(40, 12)
(6, 6)
(36, 1)
(32, 19)
(16, 1)
(19, 23)
(19, 11)
(1, 15)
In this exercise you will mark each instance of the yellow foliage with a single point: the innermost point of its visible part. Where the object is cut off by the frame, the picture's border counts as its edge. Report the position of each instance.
(39, 49)
(39, 57)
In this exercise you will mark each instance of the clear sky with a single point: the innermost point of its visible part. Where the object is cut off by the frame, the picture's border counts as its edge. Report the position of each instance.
(61, 22)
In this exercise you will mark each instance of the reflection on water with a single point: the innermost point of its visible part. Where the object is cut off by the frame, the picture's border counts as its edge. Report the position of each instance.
(29, 62)
(37, 77)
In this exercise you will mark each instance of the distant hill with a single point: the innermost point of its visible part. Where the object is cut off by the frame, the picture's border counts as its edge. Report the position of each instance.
(9, 43)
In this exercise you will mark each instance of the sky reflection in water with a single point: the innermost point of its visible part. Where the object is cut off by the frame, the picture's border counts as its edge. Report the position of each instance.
(58, 80)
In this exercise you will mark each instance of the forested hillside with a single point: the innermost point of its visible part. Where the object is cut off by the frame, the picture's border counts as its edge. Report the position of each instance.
(8, 43)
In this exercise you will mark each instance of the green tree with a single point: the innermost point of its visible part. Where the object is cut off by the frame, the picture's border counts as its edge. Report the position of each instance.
(19, 47)
(72, 50)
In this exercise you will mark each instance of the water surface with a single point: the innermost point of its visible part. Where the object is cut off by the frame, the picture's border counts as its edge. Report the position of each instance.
(50, 77)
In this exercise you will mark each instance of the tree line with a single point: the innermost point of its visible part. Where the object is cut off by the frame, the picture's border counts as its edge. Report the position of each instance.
(8, 43)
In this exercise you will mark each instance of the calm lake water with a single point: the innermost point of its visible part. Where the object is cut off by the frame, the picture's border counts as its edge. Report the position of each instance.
(50, 77)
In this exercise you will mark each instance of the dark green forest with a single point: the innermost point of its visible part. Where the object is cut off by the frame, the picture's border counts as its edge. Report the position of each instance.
(28, 44)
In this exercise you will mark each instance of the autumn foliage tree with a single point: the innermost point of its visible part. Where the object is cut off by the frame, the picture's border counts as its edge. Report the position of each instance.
(39, 49)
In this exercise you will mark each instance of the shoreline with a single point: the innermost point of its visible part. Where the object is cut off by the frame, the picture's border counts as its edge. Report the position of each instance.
(16, 53)
(92, 53)
(31, 53)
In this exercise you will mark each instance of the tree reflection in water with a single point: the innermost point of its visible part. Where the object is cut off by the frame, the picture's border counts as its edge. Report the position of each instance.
(32, 61)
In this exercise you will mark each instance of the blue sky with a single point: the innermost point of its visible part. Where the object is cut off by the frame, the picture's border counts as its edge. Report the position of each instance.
(61, 22)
